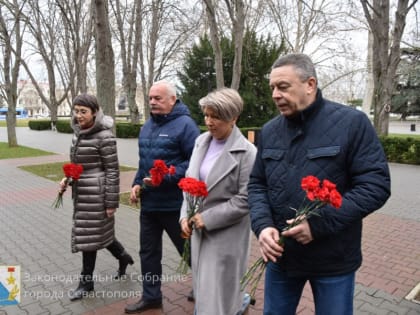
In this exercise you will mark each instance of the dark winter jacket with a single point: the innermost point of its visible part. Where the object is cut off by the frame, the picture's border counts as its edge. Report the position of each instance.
(98, 187)
(329, 141)
(170, 138)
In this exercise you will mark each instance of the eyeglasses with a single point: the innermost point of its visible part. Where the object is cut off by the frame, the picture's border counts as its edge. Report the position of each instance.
(82, 112)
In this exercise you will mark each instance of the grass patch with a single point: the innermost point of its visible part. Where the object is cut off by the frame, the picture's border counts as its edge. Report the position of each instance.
(54, 172)
(404, 136)
(19, 123)
(20, 151)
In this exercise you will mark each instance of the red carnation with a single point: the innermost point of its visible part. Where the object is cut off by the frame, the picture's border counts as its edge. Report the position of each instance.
(159, 170)
(195, 192)
(71, 171)
(318, 195)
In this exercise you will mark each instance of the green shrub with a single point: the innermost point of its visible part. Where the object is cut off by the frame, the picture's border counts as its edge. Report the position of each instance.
(63, 125)
(39, 124)
(401, 150)
(127, 130)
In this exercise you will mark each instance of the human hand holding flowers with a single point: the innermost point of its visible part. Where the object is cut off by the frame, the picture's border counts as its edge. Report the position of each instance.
(72, 171)
(195, 192)
(187, 225)
(298, 228)
(301, 232)
(270, 247)
(156, 175)
(158, 172)
(197, 221)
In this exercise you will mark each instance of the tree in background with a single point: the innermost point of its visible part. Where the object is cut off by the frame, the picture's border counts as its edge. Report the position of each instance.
(128, 34)
(257, 58)
(11, 40)
(167, 27)
(196, 77)
(44, 24)
(105, 73)
(385, 53)
(236, 11)
(77, 40)
(406, 97)
(323, 29)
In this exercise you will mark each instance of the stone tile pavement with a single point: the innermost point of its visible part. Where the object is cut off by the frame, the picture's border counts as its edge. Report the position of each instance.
(37, 237)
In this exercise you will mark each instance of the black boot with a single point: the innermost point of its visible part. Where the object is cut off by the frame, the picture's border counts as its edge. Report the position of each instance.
(85, 286)
(123, 261)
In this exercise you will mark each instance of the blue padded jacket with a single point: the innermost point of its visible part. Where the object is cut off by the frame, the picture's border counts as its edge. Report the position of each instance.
(170, 138)
(330, 141)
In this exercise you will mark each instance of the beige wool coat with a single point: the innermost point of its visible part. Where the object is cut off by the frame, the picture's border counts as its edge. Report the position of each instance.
(219, 252)
(98, 187)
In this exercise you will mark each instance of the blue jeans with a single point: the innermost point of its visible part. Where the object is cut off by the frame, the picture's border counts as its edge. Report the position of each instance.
(332, 295)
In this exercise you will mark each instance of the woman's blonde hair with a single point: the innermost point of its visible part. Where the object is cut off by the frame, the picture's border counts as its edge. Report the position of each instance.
(225, 102)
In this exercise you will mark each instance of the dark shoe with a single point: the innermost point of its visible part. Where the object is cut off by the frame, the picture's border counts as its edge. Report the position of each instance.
(84, 287)
(190, 296)
(124, 260)
(142, 305)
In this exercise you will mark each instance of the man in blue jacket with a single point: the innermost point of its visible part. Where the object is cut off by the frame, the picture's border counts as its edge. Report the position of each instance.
(168, 135)
(313, 136)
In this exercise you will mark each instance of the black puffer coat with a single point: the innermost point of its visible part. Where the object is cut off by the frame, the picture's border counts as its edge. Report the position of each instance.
(98, 187)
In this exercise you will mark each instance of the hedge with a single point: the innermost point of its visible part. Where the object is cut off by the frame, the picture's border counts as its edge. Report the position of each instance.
(397, 149)
(401, 150)
(39, 124)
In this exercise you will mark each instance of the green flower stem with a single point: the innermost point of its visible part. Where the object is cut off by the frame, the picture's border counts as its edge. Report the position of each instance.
(183, 264)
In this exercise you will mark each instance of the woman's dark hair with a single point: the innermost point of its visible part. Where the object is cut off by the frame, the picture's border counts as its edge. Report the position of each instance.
(87, 100)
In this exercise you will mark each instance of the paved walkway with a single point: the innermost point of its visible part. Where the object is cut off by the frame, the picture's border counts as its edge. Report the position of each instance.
(37, 238)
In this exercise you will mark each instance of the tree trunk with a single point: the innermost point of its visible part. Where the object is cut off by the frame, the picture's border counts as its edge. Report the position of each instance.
(385, 54)
(237, 15)
(105, 74)
(215, 43)
(11, 67)
(367, 100)
(11, 125)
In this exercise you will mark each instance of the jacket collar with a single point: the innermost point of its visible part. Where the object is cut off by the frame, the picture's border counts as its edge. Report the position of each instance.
(308, 112)
(235, 142)
(179, 109)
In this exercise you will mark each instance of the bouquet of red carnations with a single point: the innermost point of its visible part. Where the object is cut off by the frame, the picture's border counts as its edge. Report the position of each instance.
(72, 171)
(318, 195)
(195, 192)
(159, 170)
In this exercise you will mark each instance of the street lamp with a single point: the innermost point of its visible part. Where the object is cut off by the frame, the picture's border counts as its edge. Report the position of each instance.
(208, 60)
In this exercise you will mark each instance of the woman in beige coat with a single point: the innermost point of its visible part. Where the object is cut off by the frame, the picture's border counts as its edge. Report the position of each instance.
(96, 193)
(222, 158)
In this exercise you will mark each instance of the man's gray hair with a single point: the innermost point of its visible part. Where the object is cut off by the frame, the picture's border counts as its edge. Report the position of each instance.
(302, 63)
(169, 87)
(225, 102)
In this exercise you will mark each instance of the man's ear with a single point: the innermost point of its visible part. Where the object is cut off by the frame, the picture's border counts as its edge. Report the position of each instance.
(311, 85)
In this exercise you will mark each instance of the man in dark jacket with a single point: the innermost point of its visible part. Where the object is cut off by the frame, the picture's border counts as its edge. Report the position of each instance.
(313, 136)
(168, 135)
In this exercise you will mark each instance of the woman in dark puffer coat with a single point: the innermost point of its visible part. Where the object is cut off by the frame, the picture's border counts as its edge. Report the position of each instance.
(96, 193)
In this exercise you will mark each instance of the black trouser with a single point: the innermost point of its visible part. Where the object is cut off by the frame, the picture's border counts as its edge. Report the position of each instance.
(89, 258)
(152, 225)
